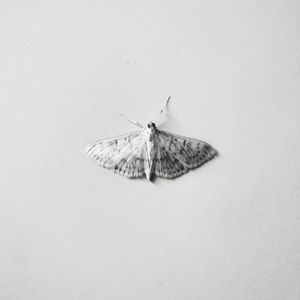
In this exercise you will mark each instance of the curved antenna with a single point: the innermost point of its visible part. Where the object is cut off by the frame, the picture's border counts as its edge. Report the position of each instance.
(132, 121)
(164, 108)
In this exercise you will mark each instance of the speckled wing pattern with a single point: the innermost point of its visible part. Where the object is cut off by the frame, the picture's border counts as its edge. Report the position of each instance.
(124, 154)
(171, 155)
(176, 154)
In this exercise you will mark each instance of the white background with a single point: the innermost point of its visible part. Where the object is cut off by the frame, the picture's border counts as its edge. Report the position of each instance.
(72, 230)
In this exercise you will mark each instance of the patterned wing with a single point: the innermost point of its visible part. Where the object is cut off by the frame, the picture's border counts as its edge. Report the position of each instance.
(176, 155)
(124, 154)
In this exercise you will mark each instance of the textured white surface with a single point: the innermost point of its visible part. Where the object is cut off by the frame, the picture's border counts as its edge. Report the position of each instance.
(70, 230)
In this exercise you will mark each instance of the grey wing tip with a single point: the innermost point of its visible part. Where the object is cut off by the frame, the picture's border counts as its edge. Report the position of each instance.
(215, 153)
(87, 150)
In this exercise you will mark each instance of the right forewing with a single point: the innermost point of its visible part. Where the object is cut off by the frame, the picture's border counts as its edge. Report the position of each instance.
(176, 154)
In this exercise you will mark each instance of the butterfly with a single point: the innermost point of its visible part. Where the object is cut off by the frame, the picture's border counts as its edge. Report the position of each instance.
(150, 151)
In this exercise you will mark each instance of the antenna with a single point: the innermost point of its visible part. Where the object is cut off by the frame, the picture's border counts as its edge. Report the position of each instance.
(164, 108)
(132, 121)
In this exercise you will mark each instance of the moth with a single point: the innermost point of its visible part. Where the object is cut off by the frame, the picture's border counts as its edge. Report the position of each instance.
(150, 151)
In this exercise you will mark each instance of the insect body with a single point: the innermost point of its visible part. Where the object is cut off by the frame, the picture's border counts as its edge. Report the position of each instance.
(150, 151)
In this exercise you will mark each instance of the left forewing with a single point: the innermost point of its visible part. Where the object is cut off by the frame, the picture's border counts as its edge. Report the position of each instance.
(123, 154)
